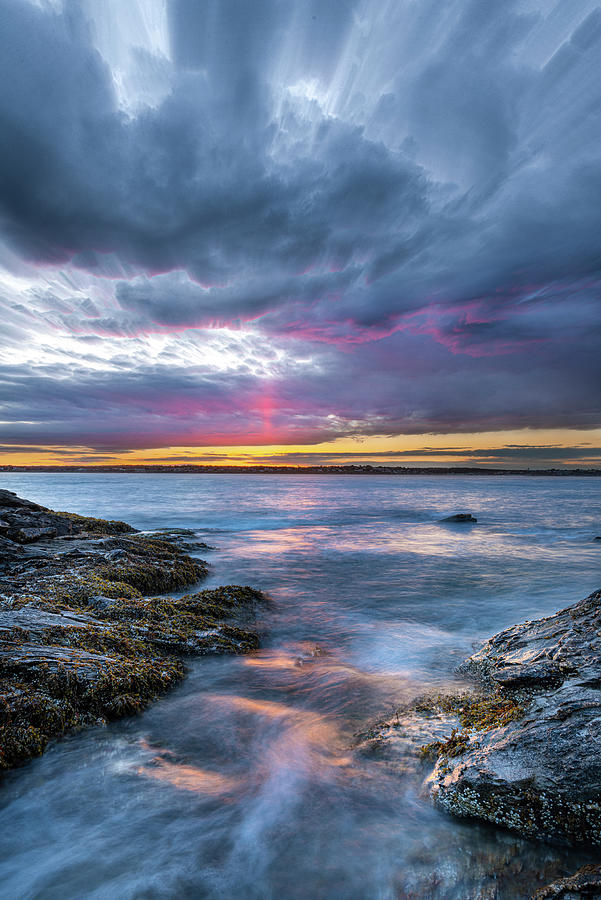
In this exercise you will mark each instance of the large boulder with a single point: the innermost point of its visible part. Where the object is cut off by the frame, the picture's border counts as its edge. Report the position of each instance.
(521, 747)
(539, 774)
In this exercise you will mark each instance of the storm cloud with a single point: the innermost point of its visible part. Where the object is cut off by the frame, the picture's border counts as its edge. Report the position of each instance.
(285, 222)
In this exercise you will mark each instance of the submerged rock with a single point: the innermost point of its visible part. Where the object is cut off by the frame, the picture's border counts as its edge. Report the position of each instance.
(524, 749)
(80, 642)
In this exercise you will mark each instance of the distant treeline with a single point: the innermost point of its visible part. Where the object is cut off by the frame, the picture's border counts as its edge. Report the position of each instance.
(194, 469)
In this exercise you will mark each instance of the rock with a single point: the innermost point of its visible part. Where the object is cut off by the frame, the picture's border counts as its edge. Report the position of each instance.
(79, 641)
(540, 774)
(460, 517)
(598, 538)
(586, 883)
(524, 751)
(30, 535)
(31, 553)
(99, 603)
(37, 621)
(178, 536)
(115, 554)
(176, 532)
(25, 522)
(71, 554)
(10, 500)
(545, 673)
(9, 553)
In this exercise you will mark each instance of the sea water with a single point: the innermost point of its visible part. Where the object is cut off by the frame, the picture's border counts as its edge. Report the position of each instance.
(243, 782)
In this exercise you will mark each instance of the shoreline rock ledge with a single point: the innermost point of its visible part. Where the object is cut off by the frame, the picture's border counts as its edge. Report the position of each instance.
(521, 748)
(83, 638)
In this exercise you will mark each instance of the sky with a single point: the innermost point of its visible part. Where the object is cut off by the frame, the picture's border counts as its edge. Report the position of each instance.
(300, 231)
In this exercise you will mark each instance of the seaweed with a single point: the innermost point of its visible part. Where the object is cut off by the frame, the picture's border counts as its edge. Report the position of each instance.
(476, 713)
(94, 525)
(82, 642)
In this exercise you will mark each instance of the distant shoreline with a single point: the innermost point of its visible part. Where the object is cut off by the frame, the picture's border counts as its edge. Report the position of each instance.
(305, 470)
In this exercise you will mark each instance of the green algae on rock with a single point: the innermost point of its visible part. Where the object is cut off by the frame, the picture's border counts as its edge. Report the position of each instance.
(80, 644)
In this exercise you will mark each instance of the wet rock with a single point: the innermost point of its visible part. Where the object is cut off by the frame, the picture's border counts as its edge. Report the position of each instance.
(29, 535)
(176, 532)
(32, 553)
(539, 674)
(178, 536)
(99, 603)
(37, 621)
(524, 750)
(70, 554)
(9, 553)
(460, 517)
(115, 554)
(541, 774)
(586, 883)
(80, 639)
(10, 500)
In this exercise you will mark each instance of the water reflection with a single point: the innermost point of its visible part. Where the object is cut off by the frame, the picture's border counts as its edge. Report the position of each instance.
(189, 778)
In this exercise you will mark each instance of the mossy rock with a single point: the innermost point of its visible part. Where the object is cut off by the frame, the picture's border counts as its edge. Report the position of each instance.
(80, 643)
(151, 576)
(90, 524)
(77, 589)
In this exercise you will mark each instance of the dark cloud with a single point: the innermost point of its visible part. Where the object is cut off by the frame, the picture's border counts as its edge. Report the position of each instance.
(407, 195)
(516, 455)
(173, 300)
(191, 184)
(37, 449)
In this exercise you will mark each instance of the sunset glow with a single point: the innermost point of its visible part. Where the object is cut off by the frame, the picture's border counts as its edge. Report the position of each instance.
(522, 449)
(365, 253)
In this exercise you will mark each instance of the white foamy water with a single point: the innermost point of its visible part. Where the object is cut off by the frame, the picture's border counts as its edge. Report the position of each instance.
(242, 782)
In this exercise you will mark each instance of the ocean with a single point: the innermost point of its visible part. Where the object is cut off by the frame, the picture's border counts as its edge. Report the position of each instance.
(243, 782)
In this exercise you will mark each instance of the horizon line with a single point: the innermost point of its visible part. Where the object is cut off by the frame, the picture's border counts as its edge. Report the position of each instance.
(331, 468)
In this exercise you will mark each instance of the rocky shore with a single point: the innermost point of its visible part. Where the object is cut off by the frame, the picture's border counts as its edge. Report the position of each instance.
(519, 745)
(83, 636)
